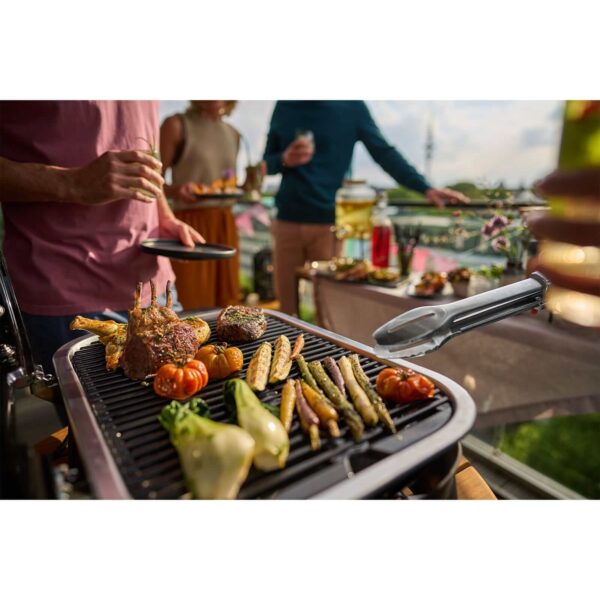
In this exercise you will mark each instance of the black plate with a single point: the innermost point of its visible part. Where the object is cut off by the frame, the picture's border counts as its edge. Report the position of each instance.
(231, 196)
(175, 249)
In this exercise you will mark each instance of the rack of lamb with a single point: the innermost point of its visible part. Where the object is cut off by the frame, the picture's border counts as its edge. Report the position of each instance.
(156, 336)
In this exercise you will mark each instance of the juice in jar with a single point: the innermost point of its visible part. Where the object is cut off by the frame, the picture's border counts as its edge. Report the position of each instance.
(353, 218)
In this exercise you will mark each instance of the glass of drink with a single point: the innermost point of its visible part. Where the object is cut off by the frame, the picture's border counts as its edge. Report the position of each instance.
(152, 150)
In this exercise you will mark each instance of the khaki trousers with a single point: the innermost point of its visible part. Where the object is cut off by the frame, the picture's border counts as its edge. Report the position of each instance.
(293, 245)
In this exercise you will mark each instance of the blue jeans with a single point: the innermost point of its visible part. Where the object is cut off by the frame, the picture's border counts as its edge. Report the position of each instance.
(48, 334)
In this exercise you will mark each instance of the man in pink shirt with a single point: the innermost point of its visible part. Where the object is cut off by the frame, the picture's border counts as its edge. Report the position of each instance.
(79, 193)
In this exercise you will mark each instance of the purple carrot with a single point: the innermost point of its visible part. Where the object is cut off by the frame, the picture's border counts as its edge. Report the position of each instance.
(336, 375)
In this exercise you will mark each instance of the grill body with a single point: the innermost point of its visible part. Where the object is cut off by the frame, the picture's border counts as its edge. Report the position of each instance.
(127, 454)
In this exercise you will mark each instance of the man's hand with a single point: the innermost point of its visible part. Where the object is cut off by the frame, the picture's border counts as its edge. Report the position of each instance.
(116, 175)
(298, 153)
(584, 186)
(173, 228)
(445, 196)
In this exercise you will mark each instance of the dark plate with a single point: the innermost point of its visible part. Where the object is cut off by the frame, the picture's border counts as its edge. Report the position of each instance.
(231, 196)
(411, 291)
(381, 283)
(174, 249)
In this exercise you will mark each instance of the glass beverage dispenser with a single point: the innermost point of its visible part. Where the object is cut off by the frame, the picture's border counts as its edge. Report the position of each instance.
(354, 203)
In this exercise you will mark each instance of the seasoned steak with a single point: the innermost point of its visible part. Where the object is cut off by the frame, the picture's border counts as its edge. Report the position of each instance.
(241, 324)
(156, 336)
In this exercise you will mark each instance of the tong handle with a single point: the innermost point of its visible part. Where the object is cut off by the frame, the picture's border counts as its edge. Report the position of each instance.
(497, 304)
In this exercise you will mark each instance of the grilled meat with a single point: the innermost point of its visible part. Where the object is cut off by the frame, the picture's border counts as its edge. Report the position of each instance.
(156, 336)
(113, 335)
(110, 333)
(241, 324)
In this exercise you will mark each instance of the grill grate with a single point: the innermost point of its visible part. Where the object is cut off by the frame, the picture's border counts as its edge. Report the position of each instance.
(127, 413)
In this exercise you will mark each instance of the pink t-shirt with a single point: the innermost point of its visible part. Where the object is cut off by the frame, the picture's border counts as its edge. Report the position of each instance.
(69, 258)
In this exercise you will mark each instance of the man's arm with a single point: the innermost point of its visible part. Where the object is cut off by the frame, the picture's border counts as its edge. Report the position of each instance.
(298, 153)
(384, 154)
(393, 163)
(113, 176)
(171, 227)
(29, 182)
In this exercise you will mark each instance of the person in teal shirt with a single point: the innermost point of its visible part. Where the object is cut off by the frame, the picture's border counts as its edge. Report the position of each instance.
(312, 172)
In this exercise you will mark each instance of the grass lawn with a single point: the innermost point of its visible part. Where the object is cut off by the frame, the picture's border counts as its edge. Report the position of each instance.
(567, 449)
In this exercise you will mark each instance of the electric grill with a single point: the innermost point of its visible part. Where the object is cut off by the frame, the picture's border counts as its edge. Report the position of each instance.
(127, 453)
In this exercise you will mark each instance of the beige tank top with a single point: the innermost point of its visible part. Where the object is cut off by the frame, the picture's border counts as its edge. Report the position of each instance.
(210, 148)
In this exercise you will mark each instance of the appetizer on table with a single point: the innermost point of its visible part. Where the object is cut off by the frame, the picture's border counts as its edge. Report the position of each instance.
(431, 283)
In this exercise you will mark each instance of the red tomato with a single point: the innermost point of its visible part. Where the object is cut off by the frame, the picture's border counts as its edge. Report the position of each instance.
(180, 383)
(403, 385)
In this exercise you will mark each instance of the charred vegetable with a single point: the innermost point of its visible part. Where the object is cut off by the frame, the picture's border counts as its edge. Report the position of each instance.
(339, 402)
(308, 419)
(376, 401)
(258, 369)
(271, 439)
(361, 401)
(215, 457)
(220, 360)
(288, 402)
(298, 346)
(404, 385)
(326, 413)
(336, 375)
(282, 363)
(180, 383)
(306, 374)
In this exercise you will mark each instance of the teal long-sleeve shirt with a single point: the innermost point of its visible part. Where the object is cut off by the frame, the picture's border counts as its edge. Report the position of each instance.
(307, 193)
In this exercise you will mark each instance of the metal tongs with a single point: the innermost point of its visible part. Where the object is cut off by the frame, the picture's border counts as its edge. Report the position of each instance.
(427, 328)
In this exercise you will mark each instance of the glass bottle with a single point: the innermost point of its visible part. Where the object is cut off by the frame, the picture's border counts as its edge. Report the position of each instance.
(382, 235)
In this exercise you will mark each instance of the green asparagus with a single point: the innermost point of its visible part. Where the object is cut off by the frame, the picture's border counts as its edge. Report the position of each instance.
(376, 401)
(337, 399)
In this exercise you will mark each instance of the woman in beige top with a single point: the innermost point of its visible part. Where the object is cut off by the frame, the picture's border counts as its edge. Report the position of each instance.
(200, 147)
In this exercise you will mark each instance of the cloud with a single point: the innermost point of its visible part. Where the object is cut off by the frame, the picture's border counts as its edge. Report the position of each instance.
(533, 137)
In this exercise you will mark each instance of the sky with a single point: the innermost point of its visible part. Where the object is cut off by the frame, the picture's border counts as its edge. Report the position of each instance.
(486, 142)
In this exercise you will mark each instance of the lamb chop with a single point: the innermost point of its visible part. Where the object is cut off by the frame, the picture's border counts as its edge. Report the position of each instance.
(156, 336)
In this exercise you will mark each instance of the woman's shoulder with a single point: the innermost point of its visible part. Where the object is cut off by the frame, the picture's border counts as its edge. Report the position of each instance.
(173, 125)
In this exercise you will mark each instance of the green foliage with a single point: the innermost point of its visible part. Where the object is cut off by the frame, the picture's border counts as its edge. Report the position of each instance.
(491, 271)
(567, 449)
(404, 193)
(469, 189)
(307, 314)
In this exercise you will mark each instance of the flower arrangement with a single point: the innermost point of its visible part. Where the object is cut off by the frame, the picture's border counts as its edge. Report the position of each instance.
(502, 231)
(507, 237)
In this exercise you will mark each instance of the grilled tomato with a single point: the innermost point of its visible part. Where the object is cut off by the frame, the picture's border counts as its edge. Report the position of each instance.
(180, 382)
(220, 360)
(403, 385)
